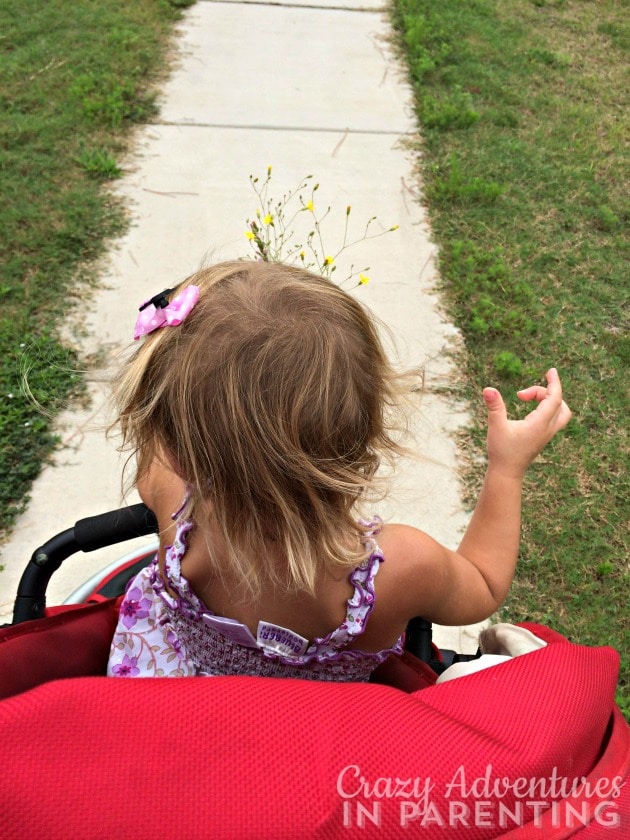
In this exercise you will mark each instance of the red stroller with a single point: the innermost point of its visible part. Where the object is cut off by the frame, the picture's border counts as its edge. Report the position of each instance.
(532, 748)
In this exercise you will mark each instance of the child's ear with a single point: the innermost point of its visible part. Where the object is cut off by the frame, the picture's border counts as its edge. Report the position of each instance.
(160, 487)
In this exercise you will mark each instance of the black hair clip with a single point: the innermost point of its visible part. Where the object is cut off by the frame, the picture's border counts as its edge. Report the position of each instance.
(160, 301)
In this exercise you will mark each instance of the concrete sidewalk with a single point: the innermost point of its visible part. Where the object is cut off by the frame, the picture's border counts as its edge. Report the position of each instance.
(308, 89)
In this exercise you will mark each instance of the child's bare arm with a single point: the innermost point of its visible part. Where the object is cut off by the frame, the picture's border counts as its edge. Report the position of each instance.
(492, 538)
(471, 583)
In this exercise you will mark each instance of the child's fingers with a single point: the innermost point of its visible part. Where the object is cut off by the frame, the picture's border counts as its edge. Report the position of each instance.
(534, 392)
(553, 407)
(554, 386)
(493, 399)
(564, 415)
(495, 405)
(539, 392)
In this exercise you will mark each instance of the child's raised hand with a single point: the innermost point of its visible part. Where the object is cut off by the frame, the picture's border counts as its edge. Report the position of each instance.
(513, 444)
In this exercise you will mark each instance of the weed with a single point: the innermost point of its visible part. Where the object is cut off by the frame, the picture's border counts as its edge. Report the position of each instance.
(494, 300)
(99, 164)
(618, 31)
(275, 234)
(450, 185)
(104, 99)
(507, 364)
(607, 220)
(548, 58)
(427, 47)
(450, 112)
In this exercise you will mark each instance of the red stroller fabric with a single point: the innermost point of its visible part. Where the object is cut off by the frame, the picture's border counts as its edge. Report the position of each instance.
(69, 642)
(245, 757)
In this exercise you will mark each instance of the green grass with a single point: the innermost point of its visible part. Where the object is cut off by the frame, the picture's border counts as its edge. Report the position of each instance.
(524, 114)
(76, 78)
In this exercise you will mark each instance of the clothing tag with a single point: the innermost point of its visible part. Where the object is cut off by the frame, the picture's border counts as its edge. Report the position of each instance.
(278, 639)
(231, 629)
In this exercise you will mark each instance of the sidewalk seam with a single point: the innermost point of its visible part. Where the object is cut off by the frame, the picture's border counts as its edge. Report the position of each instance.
(360, 9)
(311, 129)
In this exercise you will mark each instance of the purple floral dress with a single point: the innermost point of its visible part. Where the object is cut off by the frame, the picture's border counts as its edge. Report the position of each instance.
(164, 635)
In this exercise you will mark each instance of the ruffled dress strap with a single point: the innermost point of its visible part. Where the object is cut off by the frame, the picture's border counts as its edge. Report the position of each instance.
(361, 602)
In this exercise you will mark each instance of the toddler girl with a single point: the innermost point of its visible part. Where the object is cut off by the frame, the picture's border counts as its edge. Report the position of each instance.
(258, 405)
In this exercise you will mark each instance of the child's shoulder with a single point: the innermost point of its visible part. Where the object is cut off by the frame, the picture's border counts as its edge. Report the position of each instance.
(405, 543)
(405, 550)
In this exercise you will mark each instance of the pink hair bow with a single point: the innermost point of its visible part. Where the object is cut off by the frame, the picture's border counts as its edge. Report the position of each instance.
(158, 312)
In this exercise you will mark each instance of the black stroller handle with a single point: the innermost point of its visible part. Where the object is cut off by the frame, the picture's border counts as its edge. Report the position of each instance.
(113, 527)
(88, 534)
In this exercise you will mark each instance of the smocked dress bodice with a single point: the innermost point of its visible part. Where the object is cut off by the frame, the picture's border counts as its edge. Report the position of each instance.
(172, 633)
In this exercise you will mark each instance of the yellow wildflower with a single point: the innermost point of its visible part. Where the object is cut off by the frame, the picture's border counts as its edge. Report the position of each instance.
(363, 279)
(309, 206)
(249, 235)
(328, 260)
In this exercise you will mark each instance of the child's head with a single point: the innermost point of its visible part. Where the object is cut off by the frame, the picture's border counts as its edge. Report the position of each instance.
(270, 401)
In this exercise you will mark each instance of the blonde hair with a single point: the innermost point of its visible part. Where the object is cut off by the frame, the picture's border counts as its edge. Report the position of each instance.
(272, 400)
